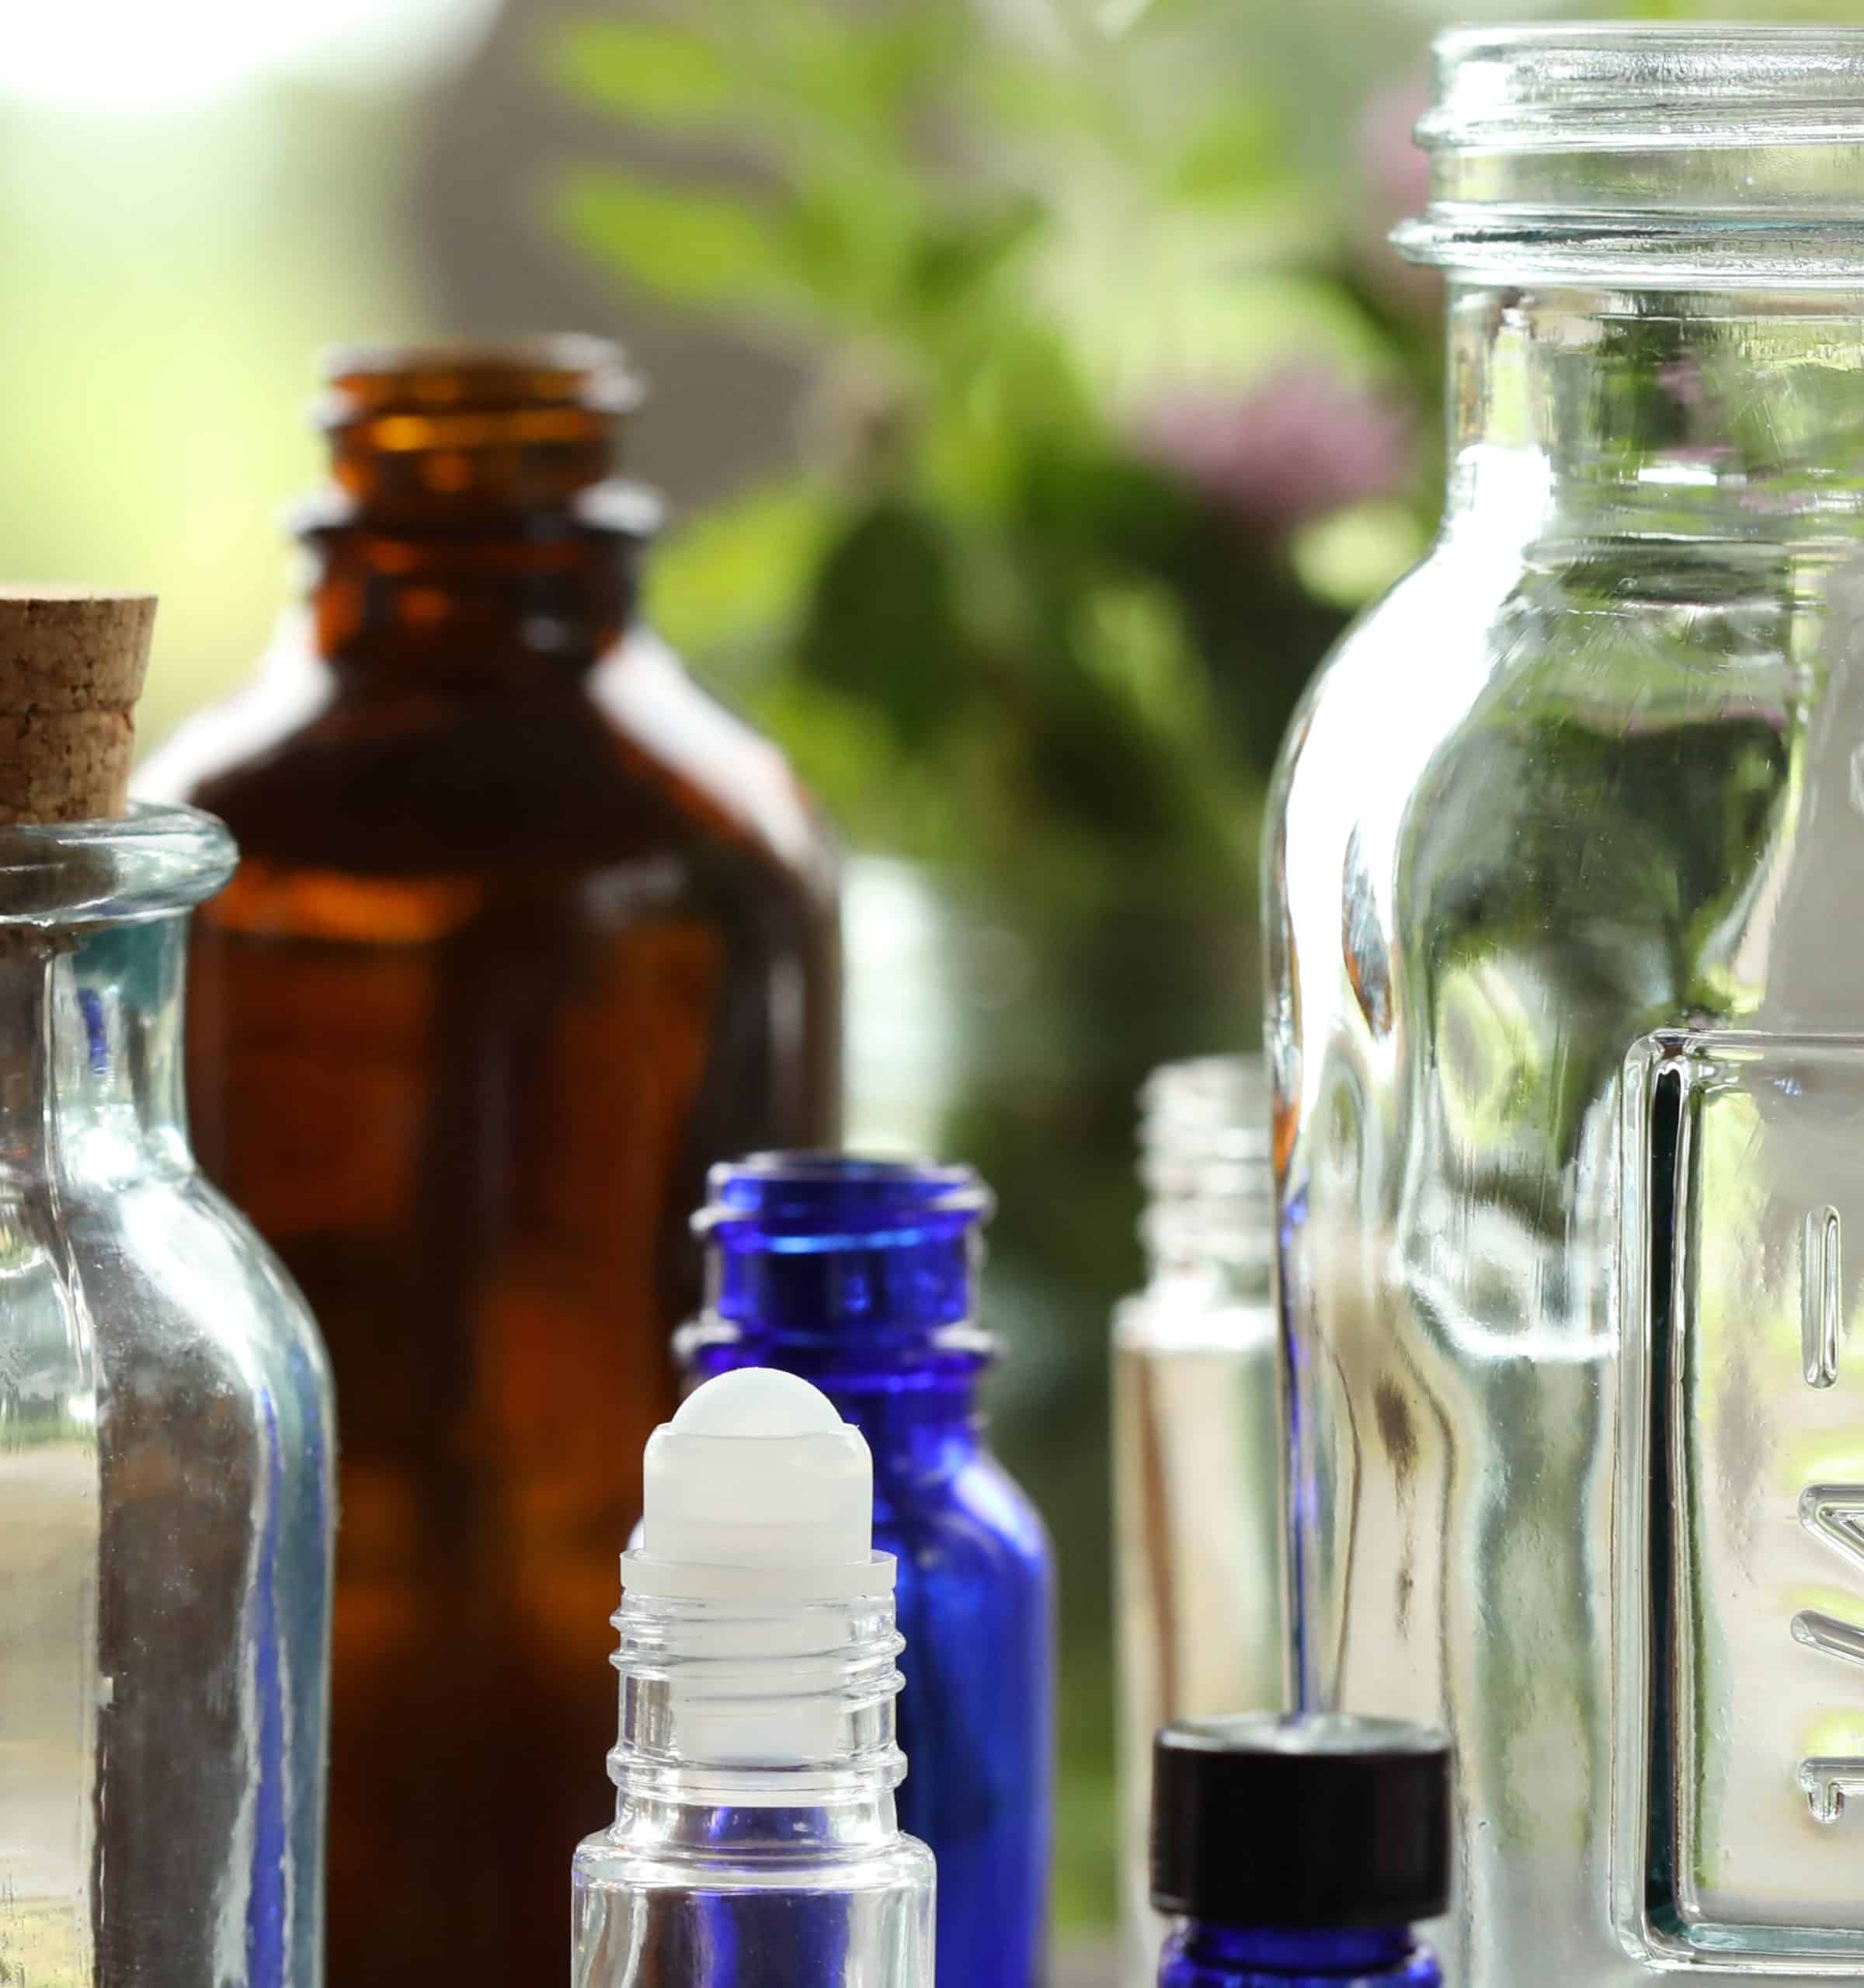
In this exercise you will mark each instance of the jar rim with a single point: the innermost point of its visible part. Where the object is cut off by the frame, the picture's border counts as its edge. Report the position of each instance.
(1651, 154)
(1526, 83)
(150, 863)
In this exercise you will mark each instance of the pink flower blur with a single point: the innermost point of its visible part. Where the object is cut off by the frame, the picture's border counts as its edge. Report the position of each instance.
(1295, 446)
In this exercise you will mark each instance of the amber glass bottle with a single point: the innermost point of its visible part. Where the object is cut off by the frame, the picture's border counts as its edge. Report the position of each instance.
(526, 932)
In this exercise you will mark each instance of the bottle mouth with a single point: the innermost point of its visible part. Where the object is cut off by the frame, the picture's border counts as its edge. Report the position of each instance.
(427, 434)
(814, 1203)
(823, 1253)
(1659, 156)
(559, 370)
(152, 863)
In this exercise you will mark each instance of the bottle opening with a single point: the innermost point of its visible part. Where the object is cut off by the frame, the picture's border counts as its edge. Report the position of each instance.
(437, 429)
(569, 370)
(1654, 155)
(829, 1249)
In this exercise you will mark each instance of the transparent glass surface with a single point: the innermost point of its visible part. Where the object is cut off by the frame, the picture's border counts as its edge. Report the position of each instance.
(754, 1873)
(1198, 1562)
(165, 1504)
(752, 1898)
(1568, 1037)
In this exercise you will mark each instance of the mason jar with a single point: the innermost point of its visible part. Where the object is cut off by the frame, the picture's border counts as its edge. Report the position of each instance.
(1566, 1020)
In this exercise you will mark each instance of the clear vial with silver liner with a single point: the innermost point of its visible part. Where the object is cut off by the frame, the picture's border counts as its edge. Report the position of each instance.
(754, 1844)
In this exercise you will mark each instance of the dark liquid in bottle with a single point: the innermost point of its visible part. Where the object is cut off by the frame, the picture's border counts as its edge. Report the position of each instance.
(528, 932)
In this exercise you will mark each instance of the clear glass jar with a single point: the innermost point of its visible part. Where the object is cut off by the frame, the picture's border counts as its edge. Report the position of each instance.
(165, 1463)
(1567, 1030)
(1197, 1445)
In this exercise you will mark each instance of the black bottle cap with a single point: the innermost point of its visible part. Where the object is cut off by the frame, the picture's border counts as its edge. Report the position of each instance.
(1316, 1819)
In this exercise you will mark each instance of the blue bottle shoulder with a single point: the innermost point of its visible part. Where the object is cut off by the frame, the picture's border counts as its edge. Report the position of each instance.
(1200, 1954)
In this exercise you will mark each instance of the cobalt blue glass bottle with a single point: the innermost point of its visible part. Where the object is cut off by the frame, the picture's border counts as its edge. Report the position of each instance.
(1299, 1851)
(859, 1275)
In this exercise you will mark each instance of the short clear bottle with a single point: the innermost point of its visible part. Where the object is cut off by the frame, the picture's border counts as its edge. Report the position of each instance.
(1197, 1443)
(754, 1844)
(1299, 1851)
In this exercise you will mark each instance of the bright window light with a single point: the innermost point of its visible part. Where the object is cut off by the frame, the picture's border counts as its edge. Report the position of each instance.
(128, 55)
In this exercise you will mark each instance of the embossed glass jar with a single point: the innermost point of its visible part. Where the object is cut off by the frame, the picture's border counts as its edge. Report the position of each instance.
(1566, 1016)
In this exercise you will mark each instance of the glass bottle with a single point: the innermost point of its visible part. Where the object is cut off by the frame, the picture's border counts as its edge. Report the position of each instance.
(1197, 1445)
(1299, 1851)
(526, 932)
(165, 1463)
(754, 1844)
(859, 1275)
(1566, 1029)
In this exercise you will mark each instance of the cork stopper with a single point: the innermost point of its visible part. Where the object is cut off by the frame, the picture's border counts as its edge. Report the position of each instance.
(71, 665)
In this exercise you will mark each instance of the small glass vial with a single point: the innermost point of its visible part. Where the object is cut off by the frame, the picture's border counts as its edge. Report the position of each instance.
(1197, 1443)
(754, 1844)
(1299, 1851)
(861, 1275)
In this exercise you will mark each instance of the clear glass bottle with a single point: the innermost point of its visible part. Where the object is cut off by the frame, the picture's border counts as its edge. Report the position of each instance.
(1566, 1030)
(527, 931)
(754, 1844)
(165, 1463)
(1299, 1851)
(861, 1275)
(1197, 1445)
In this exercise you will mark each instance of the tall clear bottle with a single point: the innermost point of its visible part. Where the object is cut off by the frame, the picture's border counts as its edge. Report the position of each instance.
(1567, 1021)
(165, 1439)
(1197, 1445)
(861, 1276)
(755, 1843)
(526, 932)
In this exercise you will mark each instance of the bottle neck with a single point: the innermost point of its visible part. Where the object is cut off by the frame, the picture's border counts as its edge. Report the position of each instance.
(1204, 1954)
(488, 598)
(1676, 414)
(1209, 1219)
(696, 1823)
(91, 1090)
(475, 530)
(744, 1720)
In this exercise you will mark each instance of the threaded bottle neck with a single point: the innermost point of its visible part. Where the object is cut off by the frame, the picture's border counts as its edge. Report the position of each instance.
(1205, 1162)
(474, 520)
(424, 434)
(741, 1703)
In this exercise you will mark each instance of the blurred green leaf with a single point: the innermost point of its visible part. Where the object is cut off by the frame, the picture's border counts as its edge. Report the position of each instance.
(731, 586)
(1234, 158)
(649, 71)
(883, 623)
(955, 258)
(698, 250)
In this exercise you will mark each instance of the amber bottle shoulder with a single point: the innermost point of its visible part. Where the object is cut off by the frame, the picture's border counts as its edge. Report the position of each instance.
(625, 761)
